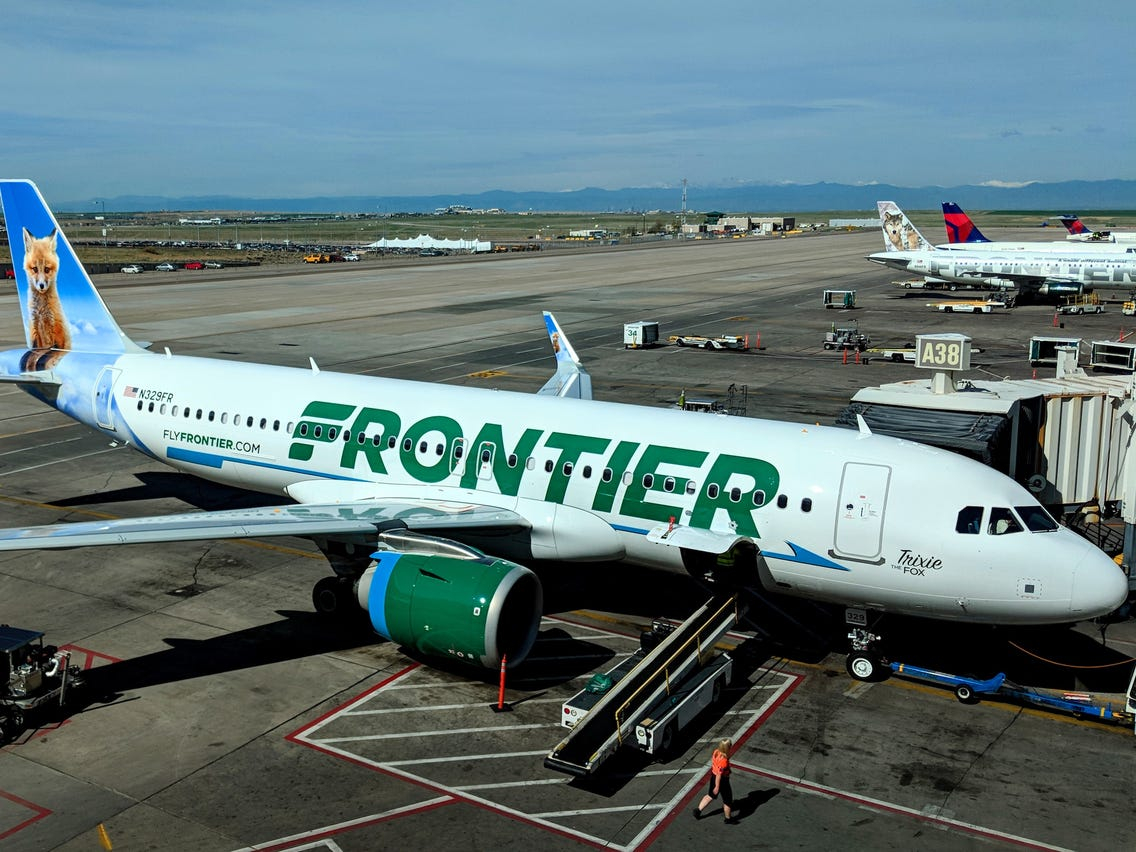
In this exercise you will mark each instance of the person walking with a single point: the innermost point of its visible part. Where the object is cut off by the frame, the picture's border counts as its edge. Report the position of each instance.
(719, 782)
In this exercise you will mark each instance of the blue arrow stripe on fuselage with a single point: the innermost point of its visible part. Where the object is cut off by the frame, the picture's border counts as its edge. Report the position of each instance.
(805, 557)
(215, 461)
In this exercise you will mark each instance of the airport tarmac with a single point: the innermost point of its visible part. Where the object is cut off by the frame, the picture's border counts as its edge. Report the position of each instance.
(226, 715)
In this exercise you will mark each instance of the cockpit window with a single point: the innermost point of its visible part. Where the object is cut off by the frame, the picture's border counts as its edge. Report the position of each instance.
(969, 520)
(1002, 521)
(1036, 518)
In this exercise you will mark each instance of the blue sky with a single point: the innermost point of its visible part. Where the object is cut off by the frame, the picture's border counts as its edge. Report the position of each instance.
(290, 99)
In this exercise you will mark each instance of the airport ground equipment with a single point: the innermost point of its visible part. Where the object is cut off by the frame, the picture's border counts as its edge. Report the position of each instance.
(846, 337)
(640, 335)
(969, 306)
(840, 298)
(1043, 350)
(1112, 355)
(657, 683)
(739, 342)
(32, 676)
(1083, 303)
(1128, 309)
(656, 731)
(1079, 704)
(897, 354)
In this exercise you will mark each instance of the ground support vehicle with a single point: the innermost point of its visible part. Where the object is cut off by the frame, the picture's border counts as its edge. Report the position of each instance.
(839, 298)
(32, 677)
(903, 353)
(846, 337)
(640, 334)
(1128, 309)
(969, 306)
(661, 689)
(1085, 303)
(1082, 705)
(725, 341)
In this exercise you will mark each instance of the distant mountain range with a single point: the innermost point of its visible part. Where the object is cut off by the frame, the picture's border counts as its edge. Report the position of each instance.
(1052, 198)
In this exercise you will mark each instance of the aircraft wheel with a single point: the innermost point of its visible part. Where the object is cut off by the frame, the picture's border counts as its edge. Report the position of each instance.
(948, 309)
(327, 596)
(863, 665)
(965, 694)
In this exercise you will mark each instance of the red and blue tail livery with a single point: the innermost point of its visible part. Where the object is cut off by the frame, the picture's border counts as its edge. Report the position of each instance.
(959, 227)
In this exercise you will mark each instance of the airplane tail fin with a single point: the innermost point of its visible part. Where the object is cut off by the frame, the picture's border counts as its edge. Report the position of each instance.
(61, 309)
(571, 378)
(899, 233)
(1074, 225)
(959, 227)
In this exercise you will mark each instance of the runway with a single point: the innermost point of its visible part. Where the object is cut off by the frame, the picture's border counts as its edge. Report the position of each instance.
(229, 716)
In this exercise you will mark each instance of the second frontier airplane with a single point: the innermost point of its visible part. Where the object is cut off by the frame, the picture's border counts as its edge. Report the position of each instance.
(1033, 272)
(403, 483)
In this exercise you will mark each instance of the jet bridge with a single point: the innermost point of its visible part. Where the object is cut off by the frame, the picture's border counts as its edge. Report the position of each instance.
(611, 722)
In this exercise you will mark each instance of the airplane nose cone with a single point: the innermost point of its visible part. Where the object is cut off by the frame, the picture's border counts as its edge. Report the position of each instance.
(1099, 585)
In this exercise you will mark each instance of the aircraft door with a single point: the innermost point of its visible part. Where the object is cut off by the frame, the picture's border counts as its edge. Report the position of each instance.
(860, 513)
(104, 396)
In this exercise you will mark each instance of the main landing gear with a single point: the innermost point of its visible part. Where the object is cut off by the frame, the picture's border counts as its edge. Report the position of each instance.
(866, 660)
(333, 596)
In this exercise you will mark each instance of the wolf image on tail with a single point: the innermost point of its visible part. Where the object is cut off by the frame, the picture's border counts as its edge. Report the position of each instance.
(50, 337)
(898, 232)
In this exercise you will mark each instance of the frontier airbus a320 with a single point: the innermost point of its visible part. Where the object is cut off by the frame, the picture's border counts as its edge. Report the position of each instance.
(421, 480)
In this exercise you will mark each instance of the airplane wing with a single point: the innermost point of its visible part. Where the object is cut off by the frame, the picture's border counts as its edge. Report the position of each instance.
(364, 517)
(571, 378)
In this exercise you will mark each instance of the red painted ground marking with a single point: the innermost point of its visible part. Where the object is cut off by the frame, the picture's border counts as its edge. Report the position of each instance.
(39, 812)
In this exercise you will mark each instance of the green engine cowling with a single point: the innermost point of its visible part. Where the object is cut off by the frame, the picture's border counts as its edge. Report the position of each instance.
(474, 609)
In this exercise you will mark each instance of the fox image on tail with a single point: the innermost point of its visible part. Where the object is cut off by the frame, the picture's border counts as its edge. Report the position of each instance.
(50, 337)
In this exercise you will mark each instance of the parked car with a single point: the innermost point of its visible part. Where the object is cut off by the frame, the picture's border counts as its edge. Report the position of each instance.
(165, 267)
(195, 264)
(351, 256)
(132, 268)
(213, 264)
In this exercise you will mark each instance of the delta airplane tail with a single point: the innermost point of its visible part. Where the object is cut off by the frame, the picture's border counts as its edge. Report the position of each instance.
(1075, 226)
(899, 233)
(960, 229)
(62, 311)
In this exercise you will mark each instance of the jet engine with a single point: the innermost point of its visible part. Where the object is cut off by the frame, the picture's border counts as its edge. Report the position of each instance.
(447, 600)
(1061, 288)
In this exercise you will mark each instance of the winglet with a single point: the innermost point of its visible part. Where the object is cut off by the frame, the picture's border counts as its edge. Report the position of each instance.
(899, 233)
(570, 379)
(960, 229)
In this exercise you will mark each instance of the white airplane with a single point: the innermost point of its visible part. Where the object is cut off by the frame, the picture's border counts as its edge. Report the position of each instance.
(963, 234)
(401, 481)
(1066, 271)
(1079, 232)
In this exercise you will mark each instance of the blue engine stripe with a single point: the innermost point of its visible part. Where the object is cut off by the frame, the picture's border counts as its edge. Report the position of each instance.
(377, 595)
(215, 461)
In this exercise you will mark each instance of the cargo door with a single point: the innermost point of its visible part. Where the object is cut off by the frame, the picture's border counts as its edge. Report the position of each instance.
(860, 513)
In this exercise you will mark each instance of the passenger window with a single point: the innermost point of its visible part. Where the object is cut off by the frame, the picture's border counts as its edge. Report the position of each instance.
(807, 504)
(459, 450)
(548, 466)
(669, 484)
(567, 468)
(969, 520)
(392, 441)
(347, 435)
(735, 495)
(174, 411)
(303, 430)
(423, 447)
(782, 501)
(211, 415)
(407, 445)
(151, 409)
(648, 481)
(512, 460)
(199, 413)
(275, 425)
(587, 471)
(361, 439)
(263, 422)
(162, 408)
(1002, 521)
(486, 456)
(439, 449)
(140, 403)
(317, 431)
(332, 431)
(530, 463)
(248, 422)
(712, 490)
(606, 475)
(691, 486)
(224, 417)
(759, 498)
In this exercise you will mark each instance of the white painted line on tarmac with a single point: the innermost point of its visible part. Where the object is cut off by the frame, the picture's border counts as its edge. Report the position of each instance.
(498, 755)
(59, 461)
(823, 790)
(434, 707)
(403, 735)
(591, 811)
(340, 827)
(40, 446)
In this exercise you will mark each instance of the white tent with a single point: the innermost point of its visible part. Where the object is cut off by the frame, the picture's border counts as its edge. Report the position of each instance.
(425, 241)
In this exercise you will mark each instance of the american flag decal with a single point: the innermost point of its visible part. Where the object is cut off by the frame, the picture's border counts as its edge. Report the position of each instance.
(130, 391)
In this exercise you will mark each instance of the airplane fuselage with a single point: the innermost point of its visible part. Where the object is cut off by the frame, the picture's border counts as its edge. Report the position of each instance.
(834, 513)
